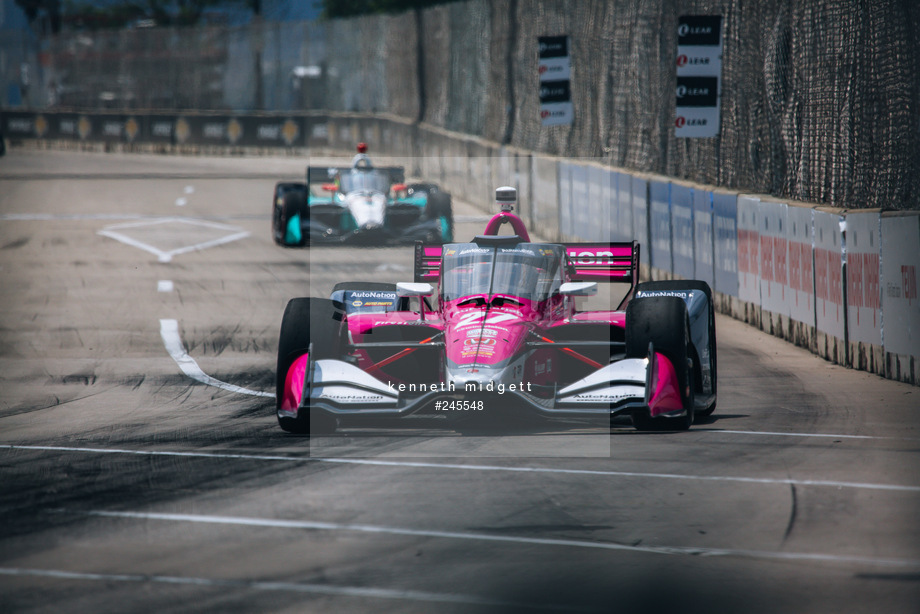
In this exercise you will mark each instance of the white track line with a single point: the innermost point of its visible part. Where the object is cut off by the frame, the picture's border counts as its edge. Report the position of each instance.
(46, 217)
(169, 330)
(459, 467)
(781, 434)
(488, 537)
(296, 587)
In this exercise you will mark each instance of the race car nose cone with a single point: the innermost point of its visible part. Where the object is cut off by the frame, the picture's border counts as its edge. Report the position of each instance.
(477, 378)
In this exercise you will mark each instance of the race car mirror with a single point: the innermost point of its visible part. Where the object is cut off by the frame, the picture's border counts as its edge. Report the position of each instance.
(578, 288)
(405, 288)
(330, 187)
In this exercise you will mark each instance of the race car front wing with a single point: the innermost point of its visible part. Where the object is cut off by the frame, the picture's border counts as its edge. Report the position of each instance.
(340, 388)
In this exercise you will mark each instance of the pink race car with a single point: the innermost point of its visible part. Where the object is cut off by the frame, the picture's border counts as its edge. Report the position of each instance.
(505, 339)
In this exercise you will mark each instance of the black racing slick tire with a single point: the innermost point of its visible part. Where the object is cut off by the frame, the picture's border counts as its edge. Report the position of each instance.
(704, 393)
(290, 200)
(306, 321)
(440, 206)
(663, 322)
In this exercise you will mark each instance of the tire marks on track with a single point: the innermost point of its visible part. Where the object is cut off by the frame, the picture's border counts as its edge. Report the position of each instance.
(296, 587)
(489, 468)
(502, 539)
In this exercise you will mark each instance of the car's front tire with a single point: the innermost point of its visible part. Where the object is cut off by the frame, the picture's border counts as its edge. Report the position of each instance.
(663, 322)
(307, 321)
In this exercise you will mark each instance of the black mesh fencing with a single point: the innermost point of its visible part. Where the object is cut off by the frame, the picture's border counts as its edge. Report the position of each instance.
(820, 100)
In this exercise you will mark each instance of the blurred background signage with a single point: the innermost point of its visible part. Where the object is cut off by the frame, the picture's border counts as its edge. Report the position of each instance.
(555, 71)
(699, 74)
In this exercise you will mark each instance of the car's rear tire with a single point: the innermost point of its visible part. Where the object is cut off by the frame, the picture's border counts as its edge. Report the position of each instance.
(279, 225)
(439, 207)
(293, 203)
(663, 322)
(306, 321)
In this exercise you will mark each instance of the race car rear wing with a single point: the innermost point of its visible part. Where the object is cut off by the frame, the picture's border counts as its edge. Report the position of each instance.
(326, 174)
(427, 262)
(605, 262)
(611, 262)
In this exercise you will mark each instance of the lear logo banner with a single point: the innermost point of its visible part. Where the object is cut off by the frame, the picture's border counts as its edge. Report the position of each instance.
(554, 70)
(699, 74)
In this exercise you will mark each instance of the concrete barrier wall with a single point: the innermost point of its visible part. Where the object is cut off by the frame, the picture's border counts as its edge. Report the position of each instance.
(843, 284)
(900, 254)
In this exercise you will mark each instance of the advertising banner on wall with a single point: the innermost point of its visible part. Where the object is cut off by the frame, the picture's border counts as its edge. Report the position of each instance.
(864, 322)
(699, 73)
(703, 237)
(186, 129)
(799, 224)
(566, 199)
(581, 221)
(555, 71)
(682, 230)
(599, 204)
(773, 257)
(660, 224)
(725, 247)
(640, 216)
(829, 312)
(900, 277)
(624, 220)
(749, 249)
(545, 201)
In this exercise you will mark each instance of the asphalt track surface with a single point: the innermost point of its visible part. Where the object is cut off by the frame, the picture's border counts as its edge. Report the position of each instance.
(142, 469)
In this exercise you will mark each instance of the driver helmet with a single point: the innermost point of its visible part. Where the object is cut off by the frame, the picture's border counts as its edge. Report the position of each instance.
(361, 160)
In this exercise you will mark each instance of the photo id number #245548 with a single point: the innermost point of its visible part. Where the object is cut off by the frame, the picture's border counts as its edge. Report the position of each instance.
(458, 405)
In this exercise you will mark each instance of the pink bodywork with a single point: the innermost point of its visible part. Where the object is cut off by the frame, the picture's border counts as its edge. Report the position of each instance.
(293, 384)
(666, 397)
(476, 335)
(479, 336)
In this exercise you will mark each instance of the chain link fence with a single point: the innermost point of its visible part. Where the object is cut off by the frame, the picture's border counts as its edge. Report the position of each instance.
(820, 101)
